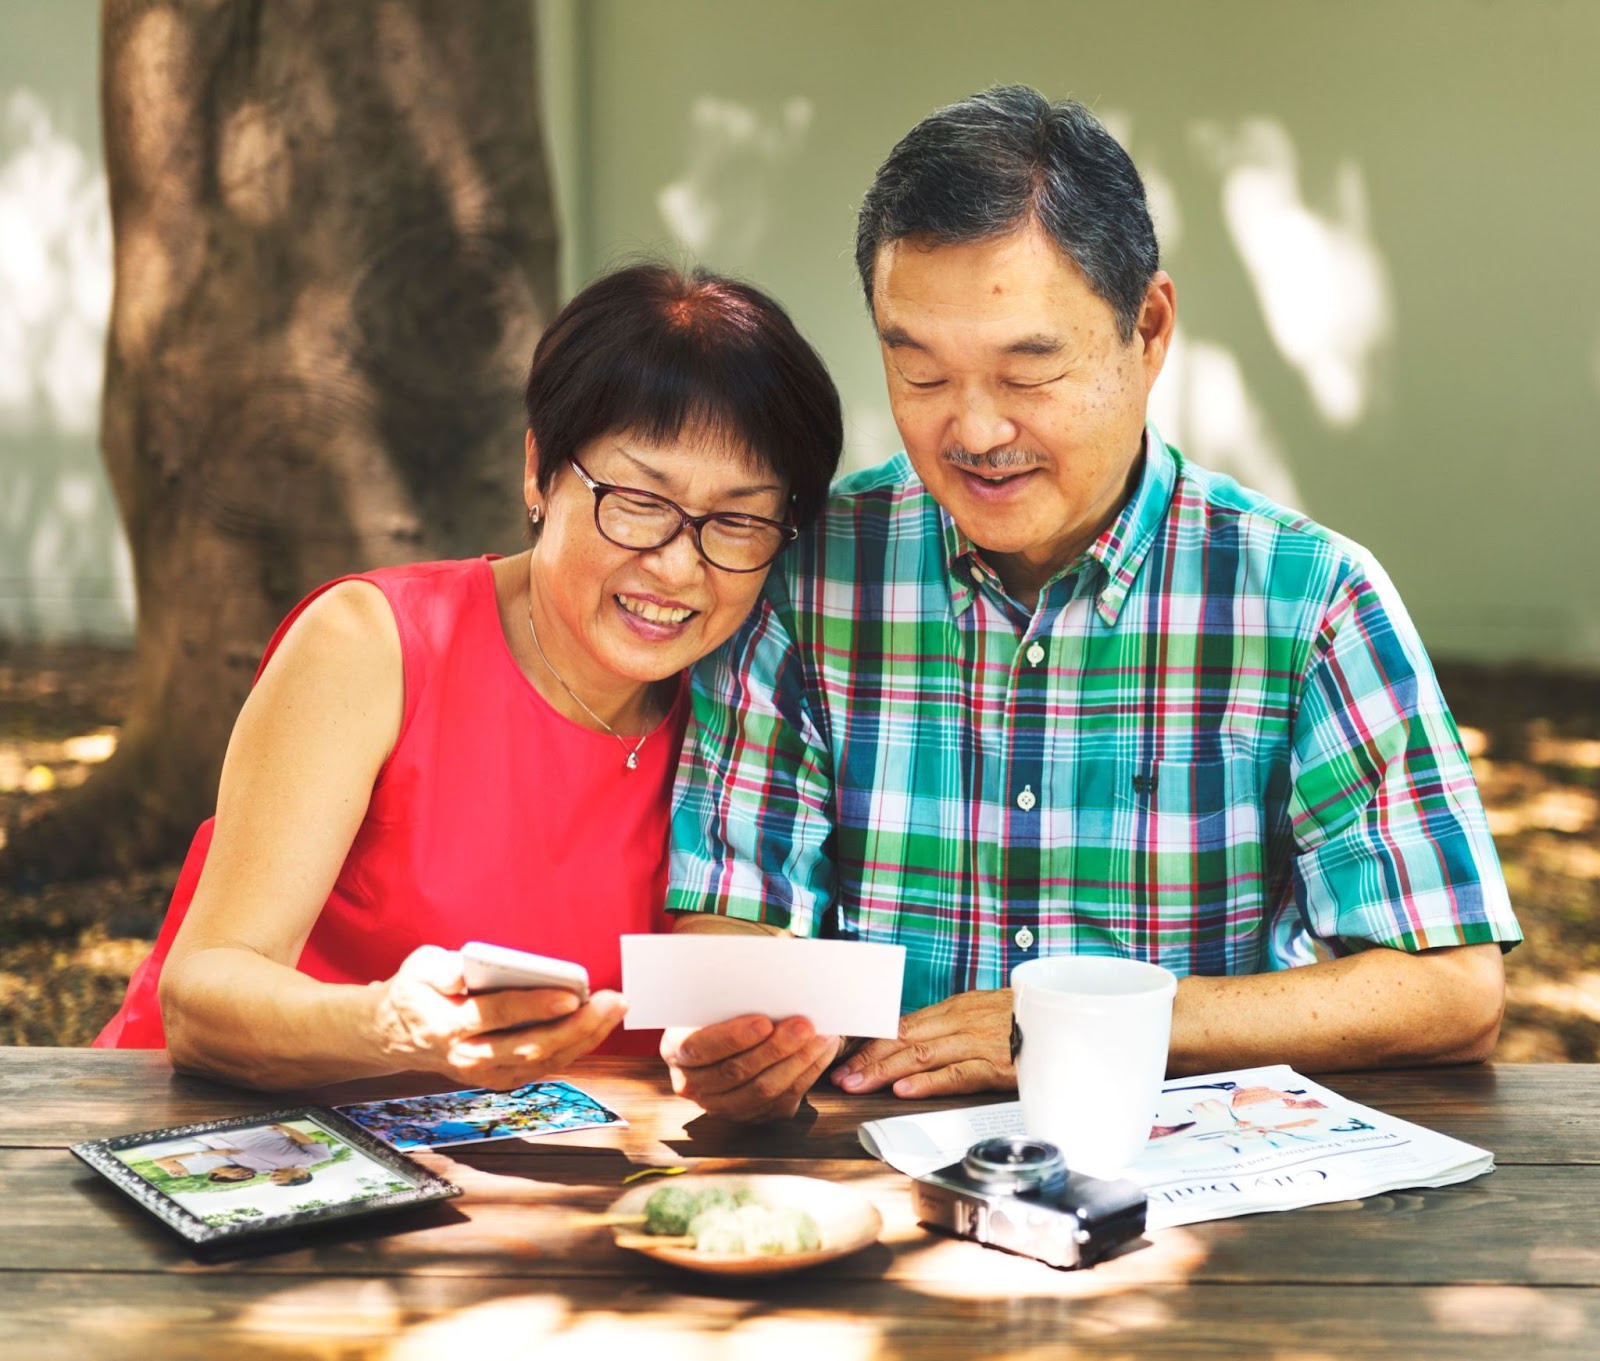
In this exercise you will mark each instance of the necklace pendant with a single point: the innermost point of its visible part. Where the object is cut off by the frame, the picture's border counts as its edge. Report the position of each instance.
(633, 760)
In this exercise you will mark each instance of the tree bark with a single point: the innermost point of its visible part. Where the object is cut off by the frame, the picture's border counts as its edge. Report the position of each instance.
(335, 248)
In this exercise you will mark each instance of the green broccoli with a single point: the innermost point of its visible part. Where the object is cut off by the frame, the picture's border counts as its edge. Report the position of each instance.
(730, 1222)
(669, 1211)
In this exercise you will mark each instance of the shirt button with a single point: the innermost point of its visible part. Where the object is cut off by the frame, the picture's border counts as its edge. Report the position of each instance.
(1035, 655)
(1026, 799)
(1024, 939)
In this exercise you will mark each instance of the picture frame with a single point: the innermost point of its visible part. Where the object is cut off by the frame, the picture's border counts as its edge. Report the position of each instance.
(262, 1179)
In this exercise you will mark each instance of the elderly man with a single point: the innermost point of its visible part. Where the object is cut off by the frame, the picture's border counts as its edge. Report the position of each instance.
(284, 1153)
(1039, 685)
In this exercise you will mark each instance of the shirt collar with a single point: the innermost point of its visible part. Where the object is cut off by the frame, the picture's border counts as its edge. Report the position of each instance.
(1120, 550)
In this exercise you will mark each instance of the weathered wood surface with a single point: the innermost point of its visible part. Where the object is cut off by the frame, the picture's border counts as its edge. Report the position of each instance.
(522, 1216)
(50, 1316)
(1509, 1263)
(1524, 1113)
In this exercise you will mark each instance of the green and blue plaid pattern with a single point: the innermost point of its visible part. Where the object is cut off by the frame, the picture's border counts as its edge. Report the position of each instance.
(1216, 738)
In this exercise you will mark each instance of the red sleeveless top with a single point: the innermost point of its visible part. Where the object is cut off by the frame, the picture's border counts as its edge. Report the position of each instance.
(495, 818)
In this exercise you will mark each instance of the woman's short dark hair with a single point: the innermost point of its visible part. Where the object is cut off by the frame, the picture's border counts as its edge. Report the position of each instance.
(657, 353)
(1006, 156)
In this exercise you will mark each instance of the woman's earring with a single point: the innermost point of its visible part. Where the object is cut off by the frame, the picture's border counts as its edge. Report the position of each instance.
(535, 513)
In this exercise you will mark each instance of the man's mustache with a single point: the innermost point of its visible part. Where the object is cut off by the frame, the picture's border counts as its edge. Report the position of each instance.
(995, 461)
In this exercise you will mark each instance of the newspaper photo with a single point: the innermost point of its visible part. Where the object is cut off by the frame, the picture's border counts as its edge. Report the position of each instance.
(1226, 1144)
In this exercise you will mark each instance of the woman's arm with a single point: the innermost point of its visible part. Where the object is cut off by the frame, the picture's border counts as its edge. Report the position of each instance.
(298, 775)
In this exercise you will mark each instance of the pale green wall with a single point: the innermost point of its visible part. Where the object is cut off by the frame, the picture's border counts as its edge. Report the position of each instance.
(64, 570)
(1465, 130)
(1468, 129)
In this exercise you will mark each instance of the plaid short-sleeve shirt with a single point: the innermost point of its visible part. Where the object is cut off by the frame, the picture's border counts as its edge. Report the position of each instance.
(1215, 738)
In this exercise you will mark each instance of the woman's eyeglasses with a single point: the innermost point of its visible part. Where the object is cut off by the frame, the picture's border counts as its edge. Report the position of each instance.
(641, 520)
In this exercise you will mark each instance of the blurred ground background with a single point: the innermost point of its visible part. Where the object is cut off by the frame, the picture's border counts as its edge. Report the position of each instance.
(66, 950)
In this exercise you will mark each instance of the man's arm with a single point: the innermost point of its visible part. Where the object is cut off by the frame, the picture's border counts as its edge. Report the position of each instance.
(1393, 868)
(1379, 1008)
(750, 825)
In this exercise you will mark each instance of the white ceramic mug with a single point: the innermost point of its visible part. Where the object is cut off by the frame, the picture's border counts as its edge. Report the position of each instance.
(1094, 1032)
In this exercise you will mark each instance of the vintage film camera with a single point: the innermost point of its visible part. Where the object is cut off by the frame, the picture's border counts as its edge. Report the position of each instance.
(1016, 1194)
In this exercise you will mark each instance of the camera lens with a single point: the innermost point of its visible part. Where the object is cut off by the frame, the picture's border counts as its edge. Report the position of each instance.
(1016, 1165)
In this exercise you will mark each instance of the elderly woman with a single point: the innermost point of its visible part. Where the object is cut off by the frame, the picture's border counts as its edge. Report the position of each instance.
(485, 749)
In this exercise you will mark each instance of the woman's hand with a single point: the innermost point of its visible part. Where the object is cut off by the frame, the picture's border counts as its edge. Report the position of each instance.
(426, 1019)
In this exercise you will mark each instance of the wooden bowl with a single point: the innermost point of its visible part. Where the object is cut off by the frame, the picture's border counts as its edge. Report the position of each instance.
(846, 1222)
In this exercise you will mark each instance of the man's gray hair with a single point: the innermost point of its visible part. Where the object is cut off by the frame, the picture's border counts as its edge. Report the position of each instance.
(1006, 156)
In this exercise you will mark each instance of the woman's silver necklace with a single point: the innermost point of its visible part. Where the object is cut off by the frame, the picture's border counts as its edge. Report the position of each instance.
(633, 755)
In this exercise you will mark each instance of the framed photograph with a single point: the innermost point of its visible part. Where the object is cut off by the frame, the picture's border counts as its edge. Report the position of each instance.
(262, 1176)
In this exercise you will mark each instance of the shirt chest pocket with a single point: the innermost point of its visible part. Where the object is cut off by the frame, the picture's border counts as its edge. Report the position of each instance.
(1171, 852)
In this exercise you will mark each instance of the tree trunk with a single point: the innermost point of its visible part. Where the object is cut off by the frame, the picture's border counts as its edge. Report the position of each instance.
(334, 251)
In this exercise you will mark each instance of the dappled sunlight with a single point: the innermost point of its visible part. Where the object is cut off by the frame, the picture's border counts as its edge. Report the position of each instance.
(1202, 404)
(1544, 790)
(452, 1317)
(1517, 1313)
(315, 357)
(483, 1189)
(96, 1324)
(712, 1330)
(1575, 996)
(412, 82)
(117, 957)
(151, 102)
(142, 256)
(483, 1330)
(255, 172)
(719, 208)
(1578, 753)
(38, 765)
(1166, 209)
(1566, 855)
(324, 1317)
(1534, 756)
(1560, 810)
(1161, 194)
(954, 1269)
(55, 272)
(1319, 279)
(1572, 1260)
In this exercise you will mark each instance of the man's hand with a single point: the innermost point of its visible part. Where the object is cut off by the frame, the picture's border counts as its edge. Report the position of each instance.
(750, 1068)
(962, 1044)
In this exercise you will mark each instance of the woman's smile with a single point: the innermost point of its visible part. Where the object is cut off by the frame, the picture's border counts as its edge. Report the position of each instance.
(658, 614)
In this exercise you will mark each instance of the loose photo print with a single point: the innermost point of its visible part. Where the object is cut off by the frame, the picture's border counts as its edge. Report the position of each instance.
(471, 1116)
(260, 1172)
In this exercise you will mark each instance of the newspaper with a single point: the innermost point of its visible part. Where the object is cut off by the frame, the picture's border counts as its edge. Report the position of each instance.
(1226, 1144)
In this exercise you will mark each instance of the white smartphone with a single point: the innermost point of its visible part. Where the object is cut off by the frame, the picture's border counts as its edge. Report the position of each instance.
(490, 967)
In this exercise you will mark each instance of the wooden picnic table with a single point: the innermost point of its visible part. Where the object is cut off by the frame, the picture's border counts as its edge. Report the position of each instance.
(1508, 1265)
